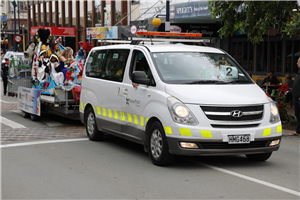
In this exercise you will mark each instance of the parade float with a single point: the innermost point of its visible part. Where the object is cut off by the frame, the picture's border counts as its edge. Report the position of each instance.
(52, 91)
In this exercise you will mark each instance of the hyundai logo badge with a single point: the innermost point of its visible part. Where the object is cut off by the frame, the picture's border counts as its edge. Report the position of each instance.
(236, 113)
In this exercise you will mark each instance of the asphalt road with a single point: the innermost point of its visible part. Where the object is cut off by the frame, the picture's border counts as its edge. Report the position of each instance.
(69, 166)
(118, 169)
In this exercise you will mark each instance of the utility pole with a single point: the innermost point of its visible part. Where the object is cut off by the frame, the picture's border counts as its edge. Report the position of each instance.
(167, 24)
(15, 5)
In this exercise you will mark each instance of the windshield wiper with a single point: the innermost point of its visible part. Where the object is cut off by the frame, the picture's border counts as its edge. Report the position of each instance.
(207, 82)
(239, 81)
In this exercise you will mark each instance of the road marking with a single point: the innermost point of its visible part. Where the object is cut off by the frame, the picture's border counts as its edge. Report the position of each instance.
(10, 123)
(293, 192)
(7, 101)
(48, 122)
(51, 123)
(42, 142)
(16, 111)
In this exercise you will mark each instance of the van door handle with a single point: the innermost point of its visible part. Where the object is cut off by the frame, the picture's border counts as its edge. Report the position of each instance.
(118, 91)
(125, 91)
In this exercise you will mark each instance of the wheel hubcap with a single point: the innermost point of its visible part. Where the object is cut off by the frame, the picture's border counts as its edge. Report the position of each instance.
(91, 124)
(156, 144)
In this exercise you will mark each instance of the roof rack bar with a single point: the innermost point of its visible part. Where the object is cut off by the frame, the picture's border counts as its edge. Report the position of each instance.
(172, 40)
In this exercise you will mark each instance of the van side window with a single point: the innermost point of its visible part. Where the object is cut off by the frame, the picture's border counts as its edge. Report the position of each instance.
(115, 65)
(95, 63)
(140, 63)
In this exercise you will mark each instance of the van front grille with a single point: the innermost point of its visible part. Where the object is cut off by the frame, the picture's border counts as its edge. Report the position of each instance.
(243, 113)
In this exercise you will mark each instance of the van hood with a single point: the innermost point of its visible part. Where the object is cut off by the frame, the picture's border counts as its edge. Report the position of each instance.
(218, 94)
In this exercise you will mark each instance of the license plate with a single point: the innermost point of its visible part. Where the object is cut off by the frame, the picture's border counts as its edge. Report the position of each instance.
(238, 139)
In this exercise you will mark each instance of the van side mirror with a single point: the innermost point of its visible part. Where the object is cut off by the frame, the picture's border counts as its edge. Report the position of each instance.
(139, 77)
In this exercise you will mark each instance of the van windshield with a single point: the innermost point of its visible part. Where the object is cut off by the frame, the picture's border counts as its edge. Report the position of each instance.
(198, 68)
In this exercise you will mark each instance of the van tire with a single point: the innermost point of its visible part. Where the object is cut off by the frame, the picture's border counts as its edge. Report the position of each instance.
(25, 114)
(91, 126)
(35, 117)
(158, 147)
(259, 157)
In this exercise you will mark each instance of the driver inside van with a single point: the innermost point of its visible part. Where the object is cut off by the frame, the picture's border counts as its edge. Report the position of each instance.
(142, 65)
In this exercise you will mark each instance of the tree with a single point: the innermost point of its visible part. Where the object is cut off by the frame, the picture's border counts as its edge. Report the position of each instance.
(254, 17)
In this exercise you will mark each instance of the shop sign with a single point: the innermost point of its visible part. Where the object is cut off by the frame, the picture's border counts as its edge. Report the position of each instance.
(207, 30)
(110, 32)
(54, 30)
(190, 9)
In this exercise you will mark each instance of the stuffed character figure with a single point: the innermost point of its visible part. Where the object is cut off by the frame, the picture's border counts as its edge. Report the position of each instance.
(72, 73)
(56, 73)
(43, 69)
(44, 36)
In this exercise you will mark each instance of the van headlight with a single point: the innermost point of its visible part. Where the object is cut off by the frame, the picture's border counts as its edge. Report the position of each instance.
(180, 113)
(274, 113)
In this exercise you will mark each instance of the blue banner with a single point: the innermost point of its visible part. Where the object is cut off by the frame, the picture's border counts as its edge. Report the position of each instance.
(3, 18)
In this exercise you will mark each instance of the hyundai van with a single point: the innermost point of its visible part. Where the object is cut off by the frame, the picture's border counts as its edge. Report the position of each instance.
(177, 100)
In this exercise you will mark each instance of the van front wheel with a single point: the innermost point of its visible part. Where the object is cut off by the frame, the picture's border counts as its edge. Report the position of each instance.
(91, 127)
(259, 157)
(158, 146)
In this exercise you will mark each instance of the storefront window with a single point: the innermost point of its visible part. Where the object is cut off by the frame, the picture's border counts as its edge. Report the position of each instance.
(245, 56)
(107, 14)
(98, 12)
(289, 54)
(279, 57)
(118, 15)
(239, 53)
(296, 55)
(251, 57)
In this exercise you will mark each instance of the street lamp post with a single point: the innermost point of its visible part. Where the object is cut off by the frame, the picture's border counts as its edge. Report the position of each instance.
(15, 5)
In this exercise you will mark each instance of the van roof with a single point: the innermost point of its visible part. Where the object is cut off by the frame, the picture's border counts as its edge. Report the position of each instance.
(168, 48)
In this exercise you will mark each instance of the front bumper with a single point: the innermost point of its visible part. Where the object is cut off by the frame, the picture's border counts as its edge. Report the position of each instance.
(218, 147)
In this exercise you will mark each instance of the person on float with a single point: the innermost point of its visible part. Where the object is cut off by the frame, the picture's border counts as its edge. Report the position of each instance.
(65, 59)
(55, 70)
(54, 48)
(44, 69)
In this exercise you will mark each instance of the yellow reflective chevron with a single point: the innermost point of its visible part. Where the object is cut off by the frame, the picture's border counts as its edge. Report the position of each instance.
(168, 130)
(116, 114)
(142, 120)
(206, 134)
(185, 131)
(279, 129)
(136, 121)
(122, 116)
(109, 113)
(98, 110)
(94, 108)
(129, 117)
(104, 112)
(82, 106)
(267, 132)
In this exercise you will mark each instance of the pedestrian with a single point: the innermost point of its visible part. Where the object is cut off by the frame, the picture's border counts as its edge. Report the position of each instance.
(4, 73)
(270, 80)
(296, 101)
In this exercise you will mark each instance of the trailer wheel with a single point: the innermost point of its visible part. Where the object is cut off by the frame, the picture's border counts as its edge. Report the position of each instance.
(35, 117)
(91, 126)
(25, 114)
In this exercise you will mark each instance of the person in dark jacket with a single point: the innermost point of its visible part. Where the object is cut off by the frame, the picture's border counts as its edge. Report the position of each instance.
(271, 79)
(296, 101)
(4, 69)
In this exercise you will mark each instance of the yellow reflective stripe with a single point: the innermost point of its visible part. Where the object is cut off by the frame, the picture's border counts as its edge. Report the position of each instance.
(267, 132)
(94, 108)
(122, 116)
(98, 110)
(168, 130)
(109, 113)
(205, 133)
(85, 105)
(104, 112)
(147, 119)
(129, 117)
(142, 120)
(136, 121)
(116, 114)
(82, 106)
(279, 129)
(185, 131)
